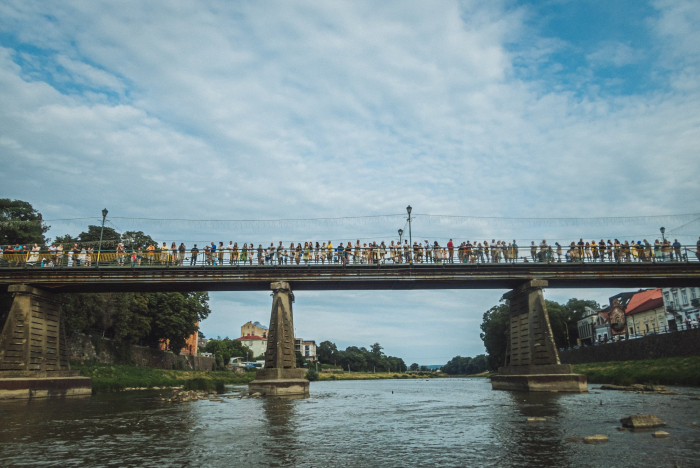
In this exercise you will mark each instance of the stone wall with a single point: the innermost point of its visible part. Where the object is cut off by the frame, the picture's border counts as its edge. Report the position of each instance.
(675, 344)
(106, 351)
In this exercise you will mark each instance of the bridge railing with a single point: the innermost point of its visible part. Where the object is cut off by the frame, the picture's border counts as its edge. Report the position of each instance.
(333, 256)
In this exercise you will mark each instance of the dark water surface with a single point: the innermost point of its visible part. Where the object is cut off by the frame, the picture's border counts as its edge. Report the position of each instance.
(445, 422)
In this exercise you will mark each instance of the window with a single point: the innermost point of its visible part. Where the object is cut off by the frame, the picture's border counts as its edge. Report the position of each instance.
(675, 298)
(684, 295)
(631, 330)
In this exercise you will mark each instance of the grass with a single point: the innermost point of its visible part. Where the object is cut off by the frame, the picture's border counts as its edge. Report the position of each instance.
(107, 377)
(667, 371)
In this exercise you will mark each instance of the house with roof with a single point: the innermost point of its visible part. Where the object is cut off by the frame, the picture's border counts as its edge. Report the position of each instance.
(256, 343)
(646, 313)
(682, 306)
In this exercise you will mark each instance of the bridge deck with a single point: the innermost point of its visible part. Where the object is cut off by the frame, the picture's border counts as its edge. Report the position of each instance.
(336, 277)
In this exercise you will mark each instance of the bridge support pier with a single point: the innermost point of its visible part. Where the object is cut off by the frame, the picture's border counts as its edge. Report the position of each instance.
(280, 376)
(34, 355)
(532, 361)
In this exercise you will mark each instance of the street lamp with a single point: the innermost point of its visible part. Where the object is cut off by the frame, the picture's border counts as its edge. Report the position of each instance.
(410, 238)
(400, 234)
(663, 231)
(99, 246)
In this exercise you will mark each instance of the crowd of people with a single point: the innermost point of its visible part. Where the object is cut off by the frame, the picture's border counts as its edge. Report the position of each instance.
(362, 253)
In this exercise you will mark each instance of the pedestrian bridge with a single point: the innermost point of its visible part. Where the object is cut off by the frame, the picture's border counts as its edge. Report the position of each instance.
(349, 277)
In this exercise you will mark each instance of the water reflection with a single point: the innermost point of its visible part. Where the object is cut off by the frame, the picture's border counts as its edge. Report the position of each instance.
(446, 422)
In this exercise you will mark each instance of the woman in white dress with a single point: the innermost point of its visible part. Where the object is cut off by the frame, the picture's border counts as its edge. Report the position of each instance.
(34, 256)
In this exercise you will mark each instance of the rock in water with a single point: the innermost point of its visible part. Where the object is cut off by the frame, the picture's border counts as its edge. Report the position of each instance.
(595, 439)
(642, 421)
(661, 434)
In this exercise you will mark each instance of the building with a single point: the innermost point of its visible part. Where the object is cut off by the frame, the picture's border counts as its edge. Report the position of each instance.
(257, 344)
(191, 344)
(586, 326)
(255, 329)
(202, 342)
(309, 350)
(602, 326)
(646, 313)
(682, 306)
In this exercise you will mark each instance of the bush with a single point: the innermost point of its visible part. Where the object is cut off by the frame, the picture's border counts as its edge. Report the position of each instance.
(311, 375)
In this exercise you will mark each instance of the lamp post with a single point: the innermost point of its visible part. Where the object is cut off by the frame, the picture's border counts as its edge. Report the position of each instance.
(400, 234)
(410, 239)
(663, 232)
(99, 246)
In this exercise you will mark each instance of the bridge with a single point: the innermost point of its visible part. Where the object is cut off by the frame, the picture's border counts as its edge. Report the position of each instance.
(34, 355)
(353, 277)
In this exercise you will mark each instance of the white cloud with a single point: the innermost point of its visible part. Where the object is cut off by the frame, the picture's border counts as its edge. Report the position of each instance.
(615, 53)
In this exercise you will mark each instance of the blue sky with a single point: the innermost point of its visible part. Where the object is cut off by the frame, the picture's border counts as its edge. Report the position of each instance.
(247, 110)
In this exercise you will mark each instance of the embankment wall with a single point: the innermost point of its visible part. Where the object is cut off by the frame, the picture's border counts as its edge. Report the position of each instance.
(106, 351)
(676, 344)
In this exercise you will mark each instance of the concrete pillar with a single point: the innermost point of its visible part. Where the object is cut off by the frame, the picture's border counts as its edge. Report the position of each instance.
(34, 355)
(280, 377)
(532, 361)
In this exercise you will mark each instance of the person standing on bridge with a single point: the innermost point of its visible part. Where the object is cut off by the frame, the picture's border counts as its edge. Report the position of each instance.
(181, 253)
(697, 247)
(677, 250)
(451, 250)
(533, 251)
(193, 255)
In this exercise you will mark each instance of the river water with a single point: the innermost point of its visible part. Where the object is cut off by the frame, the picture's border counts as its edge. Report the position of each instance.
(440, 422)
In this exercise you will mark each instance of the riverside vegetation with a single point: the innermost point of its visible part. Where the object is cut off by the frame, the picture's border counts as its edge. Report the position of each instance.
(108, 377)
(666, 371)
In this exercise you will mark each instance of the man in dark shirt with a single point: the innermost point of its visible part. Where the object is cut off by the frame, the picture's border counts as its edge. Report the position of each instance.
(193, 255)
(677, 250)
(601, 247)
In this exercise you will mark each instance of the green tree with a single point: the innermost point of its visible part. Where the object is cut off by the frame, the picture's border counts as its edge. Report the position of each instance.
(20, 223)
(495, 334)
(110, 238)
(137, 239)
(414, 366)
(327, 353)
(174, 316)
(227, 348)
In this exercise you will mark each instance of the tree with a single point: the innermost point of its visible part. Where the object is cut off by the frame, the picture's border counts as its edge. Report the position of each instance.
(110, 238)
(174, 316)
(20, 223)
(414, 366)
(137, 239)
(495, 334)
(227, 348)
(327, 353)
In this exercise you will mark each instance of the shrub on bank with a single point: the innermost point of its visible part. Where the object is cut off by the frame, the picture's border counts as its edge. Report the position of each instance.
(667, 371)
(106, 377)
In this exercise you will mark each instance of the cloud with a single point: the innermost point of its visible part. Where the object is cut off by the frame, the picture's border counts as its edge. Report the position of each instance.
(615, 53)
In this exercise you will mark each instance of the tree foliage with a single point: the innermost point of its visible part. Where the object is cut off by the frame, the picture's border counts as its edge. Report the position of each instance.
(20, 223)
(226, 349)
(359, 359)
(466, 365)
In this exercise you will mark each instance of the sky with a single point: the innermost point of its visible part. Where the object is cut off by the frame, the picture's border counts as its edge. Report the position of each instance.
(548, 119)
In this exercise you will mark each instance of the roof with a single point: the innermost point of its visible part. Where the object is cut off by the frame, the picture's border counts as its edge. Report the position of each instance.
(645, 300)
(250, 338)
(309, 342)
(260, 325)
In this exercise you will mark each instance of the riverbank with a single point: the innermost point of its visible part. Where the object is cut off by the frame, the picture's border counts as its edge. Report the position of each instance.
(110, 378)
(666, 371)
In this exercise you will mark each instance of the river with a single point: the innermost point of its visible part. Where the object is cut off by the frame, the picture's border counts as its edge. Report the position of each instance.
(439, 422)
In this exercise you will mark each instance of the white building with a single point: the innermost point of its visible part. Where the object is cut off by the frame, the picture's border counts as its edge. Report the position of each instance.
(586, 326)
(682, 305)
(257, 344)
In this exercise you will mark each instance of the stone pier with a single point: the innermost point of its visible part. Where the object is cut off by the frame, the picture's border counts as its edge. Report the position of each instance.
(280, 376)
(34, 360)
(532, 361)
